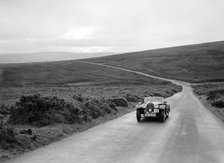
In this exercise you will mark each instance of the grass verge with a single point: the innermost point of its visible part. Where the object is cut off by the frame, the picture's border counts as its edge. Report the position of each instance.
(212, 96)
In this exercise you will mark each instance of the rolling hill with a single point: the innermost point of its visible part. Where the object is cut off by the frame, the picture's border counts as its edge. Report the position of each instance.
(77, 95)
(192, 63)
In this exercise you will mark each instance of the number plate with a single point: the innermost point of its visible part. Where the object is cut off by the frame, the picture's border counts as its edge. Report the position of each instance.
(150, 115)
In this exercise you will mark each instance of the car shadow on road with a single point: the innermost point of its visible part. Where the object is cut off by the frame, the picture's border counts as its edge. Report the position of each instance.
(148, 120)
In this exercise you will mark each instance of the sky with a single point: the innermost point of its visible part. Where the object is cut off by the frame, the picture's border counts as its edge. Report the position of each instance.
(107, 25)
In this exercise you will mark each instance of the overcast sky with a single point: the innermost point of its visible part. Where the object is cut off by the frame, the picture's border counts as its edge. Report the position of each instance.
(107, 25)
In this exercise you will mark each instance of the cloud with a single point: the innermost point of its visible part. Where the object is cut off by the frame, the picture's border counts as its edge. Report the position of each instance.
(79, 34)
(127, 25)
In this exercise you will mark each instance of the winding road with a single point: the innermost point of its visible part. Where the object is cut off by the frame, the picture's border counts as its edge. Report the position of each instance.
(191, 134)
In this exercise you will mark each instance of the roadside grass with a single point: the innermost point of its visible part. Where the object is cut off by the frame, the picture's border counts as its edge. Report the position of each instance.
(192, 63)
(212, 95)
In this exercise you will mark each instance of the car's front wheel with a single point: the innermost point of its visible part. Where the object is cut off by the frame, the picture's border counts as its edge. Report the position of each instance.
(138, 115)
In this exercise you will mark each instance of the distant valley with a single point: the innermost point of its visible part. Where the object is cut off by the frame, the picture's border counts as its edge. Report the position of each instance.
(45, 57)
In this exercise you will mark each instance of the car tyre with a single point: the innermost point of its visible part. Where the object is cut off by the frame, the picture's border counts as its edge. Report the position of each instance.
(162, 116)
(138, 115)
(168, 108)
(167, 115)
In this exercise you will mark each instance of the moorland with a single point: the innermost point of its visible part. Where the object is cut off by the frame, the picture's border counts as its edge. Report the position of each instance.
(43, 102)
(193, 63)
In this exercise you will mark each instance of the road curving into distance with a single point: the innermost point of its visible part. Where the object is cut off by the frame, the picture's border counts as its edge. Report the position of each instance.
(191, 134)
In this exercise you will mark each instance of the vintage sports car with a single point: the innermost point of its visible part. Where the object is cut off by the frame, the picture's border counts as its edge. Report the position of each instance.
(153, 107)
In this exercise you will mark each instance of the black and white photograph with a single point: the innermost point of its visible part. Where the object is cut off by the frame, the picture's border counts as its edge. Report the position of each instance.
(111, 81)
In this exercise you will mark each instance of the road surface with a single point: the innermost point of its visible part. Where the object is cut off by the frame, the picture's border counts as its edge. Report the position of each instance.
(191, 134)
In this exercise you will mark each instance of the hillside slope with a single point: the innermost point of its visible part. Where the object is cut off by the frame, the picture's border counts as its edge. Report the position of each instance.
(66, 73)
(68, 77)
(192, 63)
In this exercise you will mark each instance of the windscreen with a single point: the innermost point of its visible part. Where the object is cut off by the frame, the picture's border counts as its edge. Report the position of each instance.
(153, 99)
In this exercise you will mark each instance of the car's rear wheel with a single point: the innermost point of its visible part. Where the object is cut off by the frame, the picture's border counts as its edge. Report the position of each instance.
(167, 111)
(162, 116)
(138, 115)
(168, 108)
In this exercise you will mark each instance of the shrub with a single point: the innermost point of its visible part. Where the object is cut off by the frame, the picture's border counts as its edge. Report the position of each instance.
(218, 103)
(97, 108)
(158, 94)
(111, 104)
(41, 111)
(78, 97)
(120, 102)
(217, 98)
(26, 131)
(7, 135)
(93, 108)
(4, 109)
(215, 94)
(132, 98)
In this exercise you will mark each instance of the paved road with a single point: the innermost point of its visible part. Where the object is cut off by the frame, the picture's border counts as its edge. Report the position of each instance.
(191, 134)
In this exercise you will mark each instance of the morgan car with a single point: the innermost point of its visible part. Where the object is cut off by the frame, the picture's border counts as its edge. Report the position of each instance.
(153, 107)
